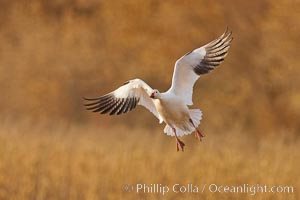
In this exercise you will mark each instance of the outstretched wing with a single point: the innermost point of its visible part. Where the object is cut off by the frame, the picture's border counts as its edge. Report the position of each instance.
(195, 63)
(124, 99)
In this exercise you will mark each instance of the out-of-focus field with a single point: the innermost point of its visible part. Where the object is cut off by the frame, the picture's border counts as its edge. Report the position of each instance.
(79, 162)
(53, 53)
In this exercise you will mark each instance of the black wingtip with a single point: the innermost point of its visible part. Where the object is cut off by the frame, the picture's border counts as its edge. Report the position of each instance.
(91, 99)
(98, 98)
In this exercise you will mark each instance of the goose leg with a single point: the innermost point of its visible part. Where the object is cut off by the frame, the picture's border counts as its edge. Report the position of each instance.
(198, 134)
(179, 143)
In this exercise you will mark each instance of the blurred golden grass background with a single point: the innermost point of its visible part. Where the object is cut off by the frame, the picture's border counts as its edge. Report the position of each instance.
(77, 162)
(52, 53)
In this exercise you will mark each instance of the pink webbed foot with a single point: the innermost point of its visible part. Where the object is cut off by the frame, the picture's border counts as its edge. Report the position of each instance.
(198, 135)
(179, 144)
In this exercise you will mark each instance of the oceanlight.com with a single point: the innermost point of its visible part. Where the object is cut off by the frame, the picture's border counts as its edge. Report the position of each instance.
(157, 188)
(250, 189)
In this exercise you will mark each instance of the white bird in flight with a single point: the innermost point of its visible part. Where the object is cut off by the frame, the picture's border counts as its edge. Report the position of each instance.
(171, 106)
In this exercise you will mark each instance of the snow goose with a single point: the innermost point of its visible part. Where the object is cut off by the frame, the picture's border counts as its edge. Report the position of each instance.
(170, 107)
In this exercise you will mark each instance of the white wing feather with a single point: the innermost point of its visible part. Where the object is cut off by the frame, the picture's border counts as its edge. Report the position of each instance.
(139, 89)
(124, 99)
(200, 61)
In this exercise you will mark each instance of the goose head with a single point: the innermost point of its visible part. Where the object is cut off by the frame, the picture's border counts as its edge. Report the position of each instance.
(155, 94)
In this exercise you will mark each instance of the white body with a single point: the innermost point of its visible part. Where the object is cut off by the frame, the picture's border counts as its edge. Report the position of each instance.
(176, 114)
(170, 107)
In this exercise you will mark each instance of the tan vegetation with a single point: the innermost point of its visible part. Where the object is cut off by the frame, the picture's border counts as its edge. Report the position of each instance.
(80, 162)
(52, 53)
